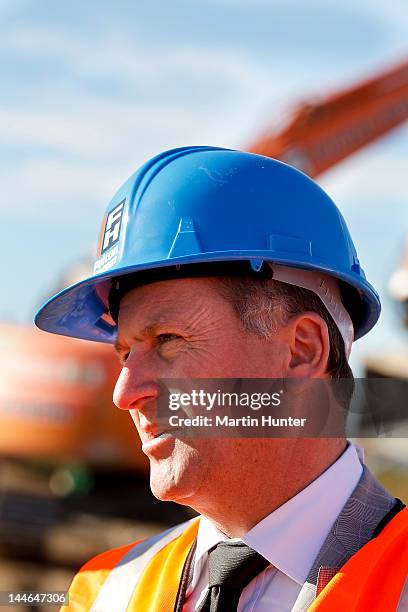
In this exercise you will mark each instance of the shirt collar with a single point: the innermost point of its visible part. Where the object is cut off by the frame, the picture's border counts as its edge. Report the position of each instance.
(292, 535)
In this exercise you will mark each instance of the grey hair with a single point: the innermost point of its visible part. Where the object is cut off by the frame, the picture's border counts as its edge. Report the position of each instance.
(263, 305)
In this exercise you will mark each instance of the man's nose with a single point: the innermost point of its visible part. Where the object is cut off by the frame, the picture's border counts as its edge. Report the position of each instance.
(134, 388)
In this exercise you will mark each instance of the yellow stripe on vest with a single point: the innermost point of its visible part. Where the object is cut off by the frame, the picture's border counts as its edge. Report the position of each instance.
(117, 590)
(157, 588)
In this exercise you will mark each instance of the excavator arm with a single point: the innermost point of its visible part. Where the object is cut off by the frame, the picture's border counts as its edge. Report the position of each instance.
(321, 133)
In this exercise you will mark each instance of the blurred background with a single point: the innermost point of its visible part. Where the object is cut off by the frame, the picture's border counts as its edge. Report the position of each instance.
(89, 92)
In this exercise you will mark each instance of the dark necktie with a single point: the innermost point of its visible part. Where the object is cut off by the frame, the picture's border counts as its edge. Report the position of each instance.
(231, 566)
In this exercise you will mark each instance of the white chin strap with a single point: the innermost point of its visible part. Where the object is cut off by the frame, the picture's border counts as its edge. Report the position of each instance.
(327, 288)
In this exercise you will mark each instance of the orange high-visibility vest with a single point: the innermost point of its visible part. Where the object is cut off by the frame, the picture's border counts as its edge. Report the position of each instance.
(146, 576)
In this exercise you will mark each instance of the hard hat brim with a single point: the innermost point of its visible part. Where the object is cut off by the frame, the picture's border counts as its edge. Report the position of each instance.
(79, 312)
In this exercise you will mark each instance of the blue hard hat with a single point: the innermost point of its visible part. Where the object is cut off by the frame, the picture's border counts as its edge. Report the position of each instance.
(196, 205)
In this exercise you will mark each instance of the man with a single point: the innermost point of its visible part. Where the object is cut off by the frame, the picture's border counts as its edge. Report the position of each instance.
(221, 264)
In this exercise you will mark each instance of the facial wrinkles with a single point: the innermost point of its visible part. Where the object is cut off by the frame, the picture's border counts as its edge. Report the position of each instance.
(203, 324)
(200, 325)
(207, 329)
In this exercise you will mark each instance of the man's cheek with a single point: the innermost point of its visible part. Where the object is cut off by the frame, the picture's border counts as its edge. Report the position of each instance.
(172, 351)
(193, 359)
(203, 352)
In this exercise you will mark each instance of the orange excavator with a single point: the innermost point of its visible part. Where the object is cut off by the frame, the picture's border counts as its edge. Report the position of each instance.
(56, 401)
(322, 132)
(55, 393)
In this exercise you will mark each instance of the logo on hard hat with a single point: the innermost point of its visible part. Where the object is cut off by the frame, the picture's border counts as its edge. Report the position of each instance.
(112, 227)
(108, 247)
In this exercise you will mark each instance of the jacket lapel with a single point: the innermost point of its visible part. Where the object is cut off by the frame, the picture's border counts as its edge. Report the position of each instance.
(353, 528)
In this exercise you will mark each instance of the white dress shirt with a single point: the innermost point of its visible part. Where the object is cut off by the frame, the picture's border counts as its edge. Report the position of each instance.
(290, 538)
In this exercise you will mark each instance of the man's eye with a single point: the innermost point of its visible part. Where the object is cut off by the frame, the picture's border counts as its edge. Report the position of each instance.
(162, 338)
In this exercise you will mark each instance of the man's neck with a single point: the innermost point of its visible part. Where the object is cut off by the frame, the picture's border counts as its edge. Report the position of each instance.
(251, 500)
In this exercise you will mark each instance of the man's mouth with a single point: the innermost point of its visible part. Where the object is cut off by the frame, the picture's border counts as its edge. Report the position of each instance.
(162, 434)
(152, 441)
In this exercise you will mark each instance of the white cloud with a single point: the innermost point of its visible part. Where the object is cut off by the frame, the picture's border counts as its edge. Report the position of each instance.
(164, 97)
(80, 144)
(118, 56)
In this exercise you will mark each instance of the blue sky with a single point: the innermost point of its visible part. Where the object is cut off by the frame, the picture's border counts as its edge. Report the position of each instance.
(91, 89)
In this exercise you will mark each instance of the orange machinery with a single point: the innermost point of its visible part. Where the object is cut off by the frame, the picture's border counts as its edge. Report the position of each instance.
(56, 401)
(322, 132)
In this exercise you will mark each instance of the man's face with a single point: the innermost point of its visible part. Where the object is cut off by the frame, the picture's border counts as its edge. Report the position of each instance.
(184, 328)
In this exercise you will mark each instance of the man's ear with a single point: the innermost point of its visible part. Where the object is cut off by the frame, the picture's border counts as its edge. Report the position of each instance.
(309, 346)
